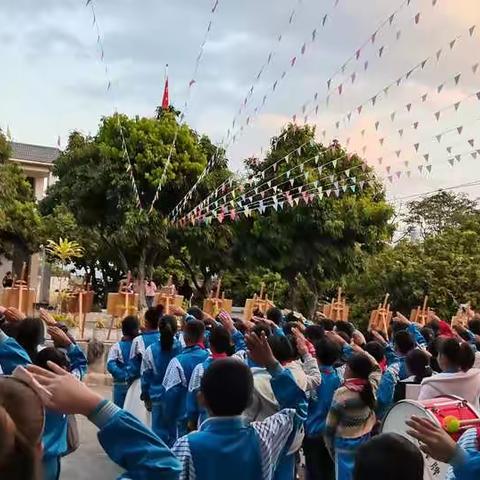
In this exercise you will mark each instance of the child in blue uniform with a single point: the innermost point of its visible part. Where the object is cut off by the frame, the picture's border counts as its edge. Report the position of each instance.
(177, 378)
(149, 336)
(319, 464)
(154, 365)
(221, 347)
(11, 354)
(226, 446)
(118, 356)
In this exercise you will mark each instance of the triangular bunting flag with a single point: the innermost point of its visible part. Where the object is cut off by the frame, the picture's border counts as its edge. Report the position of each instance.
(415, 125)
(365, 66)
(451, 161)
(440, 87)
(458, 158)
(388, 169)
(417, 18)
(353, 77)
(357, 54)
(452, 43)
(380, 51)
(399, 34)
(439, 138)
(359, 109)
(409, 107)
(382, 141)
(424, 97)
(449, 149)
(429, 168)
(417, 146)
(398, 174)
(438, 54)
(380, 160)
(420, 168)
(437, 115)
(474, 155)
(390, 178)
(424, 63)
(377, 124)
(475, 68)
(460, 130)
(471, 30)
(457, 78)
(400, 132)
(392, 116)
(471, 142)
(398, 153)
(457, 106)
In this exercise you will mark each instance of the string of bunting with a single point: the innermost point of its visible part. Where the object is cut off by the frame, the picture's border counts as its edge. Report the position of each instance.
(383, 93)
(232, 136)
(257, 189)
(192, 82)
(125, 154)
(263, 68)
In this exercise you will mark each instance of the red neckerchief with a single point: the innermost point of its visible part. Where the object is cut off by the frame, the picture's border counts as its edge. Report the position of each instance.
(383, 364)
(216, 356)
(355, 384)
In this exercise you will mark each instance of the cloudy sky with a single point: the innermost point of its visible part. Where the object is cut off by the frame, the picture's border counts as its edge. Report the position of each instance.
(52, 80)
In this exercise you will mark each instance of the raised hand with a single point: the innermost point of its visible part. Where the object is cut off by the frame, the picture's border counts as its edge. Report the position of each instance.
(14, 315)
(47, 318)
(59, 337)
(301, 342)
(177, 311)
(259, 350)
(336, 338)
(434, 440)
(67, 394)
(226, 321)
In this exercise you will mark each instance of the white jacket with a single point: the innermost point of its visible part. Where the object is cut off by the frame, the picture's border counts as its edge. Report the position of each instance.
(465, 385)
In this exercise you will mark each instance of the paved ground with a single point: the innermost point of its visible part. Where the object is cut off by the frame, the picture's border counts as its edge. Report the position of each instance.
(89, 462)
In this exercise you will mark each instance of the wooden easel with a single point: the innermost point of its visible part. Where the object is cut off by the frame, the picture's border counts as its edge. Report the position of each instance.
(217, 302)
(464, 314)
(20, 296)
(122, 303)
(261, 303)
(381, 317)
(167, 296)
(337, 309)
(80, 303)
(420, 314)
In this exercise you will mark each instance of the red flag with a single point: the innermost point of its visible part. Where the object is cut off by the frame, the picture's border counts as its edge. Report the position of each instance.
(165, 100)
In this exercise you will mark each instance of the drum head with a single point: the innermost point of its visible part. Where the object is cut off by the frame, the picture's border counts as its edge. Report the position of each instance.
(394, 422)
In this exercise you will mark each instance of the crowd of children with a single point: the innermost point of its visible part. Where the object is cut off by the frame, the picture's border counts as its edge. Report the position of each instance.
(272, 397)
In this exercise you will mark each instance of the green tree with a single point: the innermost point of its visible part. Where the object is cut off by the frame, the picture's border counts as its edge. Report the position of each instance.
(321, 242)
(95, 187)
(431, 215)
(20, 221)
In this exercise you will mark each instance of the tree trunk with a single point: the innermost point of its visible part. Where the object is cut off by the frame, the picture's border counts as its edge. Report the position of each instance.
(141, 277)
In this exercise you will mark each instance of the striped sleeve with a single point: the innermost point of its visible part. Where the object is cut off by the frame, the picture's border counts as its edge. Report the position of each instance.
(196, 378)
(174, 375)
(181, 449)
(468, 442)
(115, 353)
(274, 433)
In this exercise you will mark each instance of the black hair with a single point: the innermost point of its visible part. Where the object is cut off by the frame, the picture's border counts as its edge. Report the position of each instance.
(428, 334)
(418, 364)
(347, 327)
(275, 315)
(345, 336)
(403, 341)
(397, 326)
(152, 317)
(388, 455)
(130, 326)
(376, 350)
(327, 351)
(193, 332)
(220, 340)
(168, 327)
(432, 348)
(30, 335)
(227, 386)
(327, 324)
(195, 312)
(282, 348)
(260, 328)
(458, 354)
(52, 354)
(314, 333)
(361, 367)
(289, 326)
(258, 313)
(474, 325)
(240, 325)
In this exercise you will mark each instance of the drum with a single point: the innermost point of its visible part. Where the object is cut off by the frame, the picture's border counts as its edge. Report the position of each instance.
(436, 409)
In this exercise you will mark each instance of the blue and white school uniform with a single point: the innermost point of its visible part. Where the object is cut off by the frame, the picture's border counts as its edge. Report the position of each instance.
(177, 378)
(466, 462)
(54, 438)
(230, 447)
(154, 365)
(131, 445)
(12, 354)
(117, 366)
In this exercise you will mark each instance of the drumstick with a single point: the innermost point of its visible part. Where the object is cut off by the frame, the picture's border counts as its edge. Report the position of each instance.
(452, 424)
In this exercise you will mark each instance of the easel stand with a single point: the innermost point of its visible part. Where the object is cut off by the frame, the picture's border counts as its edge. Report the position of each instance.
(381, 317)
(420, 314)
(337, 309)
(260, 303)
(20, 296)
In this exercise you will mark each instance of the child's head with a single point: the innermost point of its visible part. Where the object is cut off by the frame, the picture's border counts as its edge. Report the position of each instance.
(275, 315)
(346, 327)
(262, 328)
(376, 350)
(314, 333)
(226, 387)
(195, 312)
(474, 325)
(168, 328)
(359, 366)
(21, 428)
(282, 348)
(151, 318)
(428, 334)
(51, 354)
(327, 324)
(193, 332)
(388, 456)
(403, 342)
(30, 334)
(130, 326)
(418, 364)
(328, 351)
(220, 340)
(454, 356)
